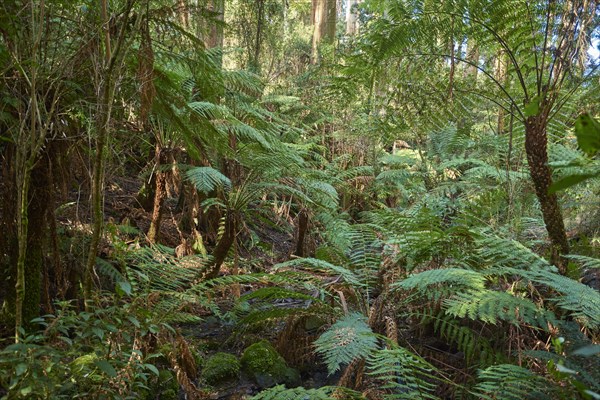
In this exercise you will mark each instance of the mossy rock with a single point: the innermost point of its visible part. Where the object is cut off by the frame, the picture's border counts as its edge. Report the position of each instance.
(262, 362)
(220, 368)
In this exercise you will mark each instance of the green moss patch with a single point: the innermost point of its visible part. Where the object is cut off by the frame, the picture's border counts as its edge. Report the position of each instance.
(262, 362)
(220, 368)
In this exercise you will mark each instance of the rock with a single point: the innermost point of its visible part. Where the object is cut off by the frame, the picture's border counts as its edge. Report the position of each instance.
(221, 367)
(263, 364)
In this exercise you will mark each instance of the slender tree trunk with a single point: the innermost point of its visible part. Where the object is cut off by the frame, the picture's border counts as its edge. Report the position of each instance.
(223, 246)
(160, 193)
(536, 142)
(302, 231)
(102, 126)
(255, 60)
(351, 17)
(324, 19)
(502, 77)
(215, 35)
(471, 70)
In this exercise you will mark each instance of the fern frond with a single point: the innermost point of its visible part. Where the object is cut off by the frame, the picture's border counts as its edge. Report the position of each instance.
(323, 393)
(509, 382)
(474, 345)
(207, 179)
(322, 266)
(348, 339)
(502, 252)
(405, 374)
(490, 306)
(586, 262)
(107, 269)
(450, 280)
(580, 300)
(276, 293)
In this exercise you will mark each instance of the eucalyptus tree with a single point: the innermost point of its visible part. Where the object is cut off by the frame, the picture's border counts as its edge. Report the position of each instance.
(324, 18)
(546, 72)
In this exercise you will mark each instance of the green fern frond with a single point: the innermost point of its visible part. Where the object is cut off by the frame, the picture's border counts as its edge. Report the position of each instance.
(348, 339)
(323, 393)
(275, 293)
(208, 110)
(581, 301)
(502, 252)
(491, 306)
(207, 179)
(405, 374)
(586, 262)
(450, 280)
(474, 345)
(105, 268)
(509, 382)
(322, 266)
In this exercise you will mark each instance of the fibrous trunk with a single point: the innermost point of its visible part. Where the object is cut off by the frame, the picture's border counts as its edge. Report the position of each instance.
(536, 142)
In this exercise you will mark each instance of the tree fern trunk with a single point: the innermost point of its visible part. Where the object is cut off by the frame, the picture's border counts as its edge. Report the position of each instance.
(159, 195)
(223, 246)
(536, 143)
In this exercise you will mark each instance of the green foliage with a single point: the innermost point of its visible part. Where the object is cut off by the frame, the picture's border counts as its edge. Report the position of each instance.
(80, 354)
(207, 179)
(587, 130)
(348, 339)
(300, 393)
(509, 382)
(405, 374)
(262, 362)
(220, 368)
(490, 306)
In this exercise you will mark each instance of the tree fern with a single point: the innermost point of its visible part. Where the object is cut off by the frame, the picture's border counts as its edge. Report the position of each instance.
(348, 339)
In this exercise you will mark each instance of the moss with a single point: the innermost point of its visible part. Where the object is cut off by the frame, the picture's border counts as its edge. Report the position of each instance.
(84, 370)
(262, 362)
(220, 367)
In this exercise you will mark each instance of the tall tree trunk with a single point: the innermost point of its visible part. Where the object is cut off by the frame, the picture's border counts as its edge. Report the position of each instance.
(110, 65)
(471, 69)
(351, 17)
(501, 65)
(215, 34)
(536, 143)
(29, 141)
(324, 19)
(255, 57)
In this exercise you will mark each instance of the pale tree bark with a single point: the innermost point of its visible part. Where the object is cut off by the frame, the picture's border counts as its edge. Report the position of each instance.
(215, 35)
(501, 64)
(351, 17)
(471, 69)
(324, 20)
